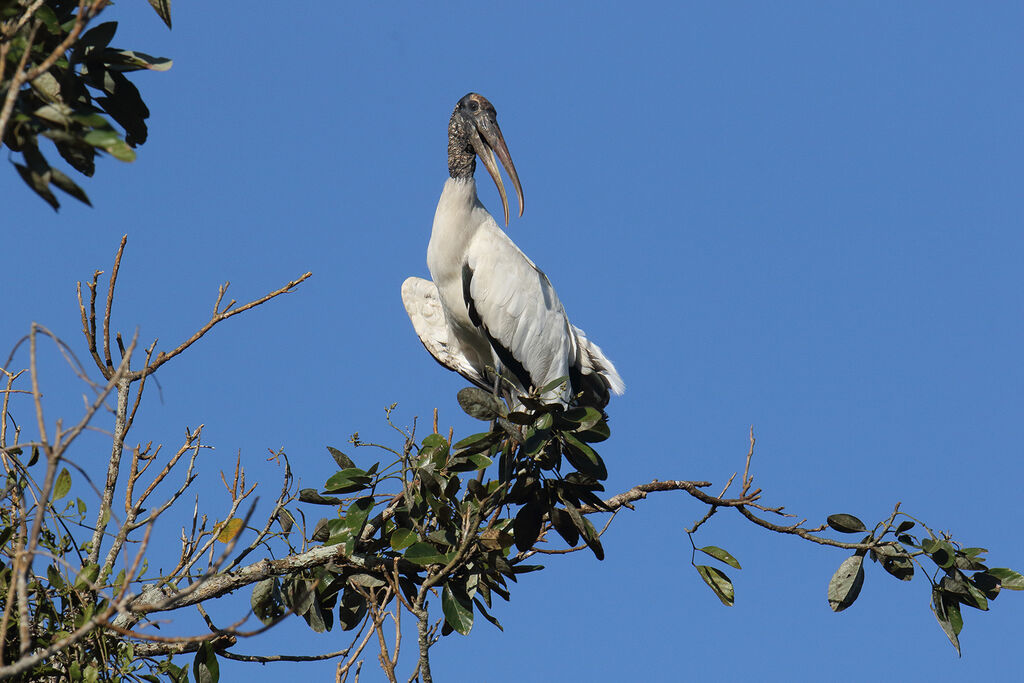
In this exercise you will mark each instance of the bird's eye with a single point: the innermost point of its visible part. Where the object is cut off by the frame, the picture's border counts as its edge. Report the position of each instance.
(474, 105)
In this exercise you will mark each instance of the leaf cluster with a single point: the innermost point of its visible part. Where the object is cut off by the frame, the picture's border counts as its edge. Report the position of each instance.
(958, 574)
(432, 518)
(64, 591)
(69, 85)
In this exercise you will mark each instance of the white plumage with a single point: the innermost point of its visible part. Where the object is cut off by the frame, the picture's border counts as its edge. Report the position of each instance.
(489, 307)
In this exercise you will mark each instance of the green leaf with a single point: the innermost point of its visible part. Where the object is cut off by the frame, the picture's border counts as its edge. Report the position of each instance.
(720, 554)
(297, 594)
(63, 485)
(402, 538)
(347, 481)
(319, 619)
(552, 385)
(941, 552)
(266, 600)
(434, 441)
(719, 583)
(846, 524)
(581, 418)
(96, 38)
(592, 539)
(357, 512)
(434, 450)
(110, 142)
(947, 612)
(536, 439)
(480, 608)
(424, 553)
(54, 577)
(584, 458)
(87, 576)
(163, 10)
(599, 432)
(204, 667)
(46, 15)
(121, 151)
(480, 461)
(896, 561)
(444, 537)
(1008, 578)
(845, 585)
(527, 525)
(458, 609)
(476, 443)
(41, 186)
(366, 580)
(563, 524)
(344, 462)
(905, 525)
(481, 404)
(977, 598)
(62, 181)
(351, 610)
(987, 584)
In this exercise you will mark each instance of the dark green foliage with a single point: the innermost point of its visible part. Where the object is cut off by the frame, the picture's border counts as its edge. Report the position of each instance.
(846, 524)
(958, 575)
(435, 511)
(74, 98)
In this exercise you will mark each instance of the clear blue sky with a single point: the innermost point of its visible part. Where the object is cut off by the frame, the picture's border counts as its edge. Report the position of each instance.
(805, 218)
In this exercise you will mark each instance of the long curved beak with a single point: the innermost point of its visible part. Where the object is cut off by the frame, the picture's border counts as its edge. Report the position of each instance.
(488, 140)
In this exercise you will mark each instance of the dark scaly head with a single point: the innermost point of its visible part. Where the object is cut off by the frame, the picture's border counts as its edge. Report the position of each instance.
(473, 131)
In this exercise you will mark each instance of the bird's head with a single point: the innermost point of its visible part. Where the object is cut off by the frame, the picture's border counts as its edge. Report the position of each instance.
(473, 129)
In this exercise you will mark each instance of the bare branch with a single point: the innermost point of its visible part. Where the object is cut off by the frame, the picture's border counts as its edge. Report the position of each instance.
(217, 317)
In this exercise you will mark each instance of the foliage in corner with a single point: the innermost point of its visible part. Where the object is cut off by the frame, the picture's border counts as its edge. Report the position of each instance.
(61, 79)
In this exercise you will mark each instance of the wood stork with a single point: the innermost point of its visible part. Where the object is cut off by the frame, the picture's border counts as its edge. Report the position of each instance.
(489, 308)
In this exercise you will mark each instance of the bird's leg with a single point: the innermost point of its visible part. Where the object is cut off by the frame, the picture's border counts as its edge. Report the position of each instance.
(497, 377)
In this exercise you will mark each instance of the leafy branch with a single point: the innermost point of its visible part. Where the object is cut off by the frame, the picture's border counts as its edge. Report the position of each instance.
(63, 82)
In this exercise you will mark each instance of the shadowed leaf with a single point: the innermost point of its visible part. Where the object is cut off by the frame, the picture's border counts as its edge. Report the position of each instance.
(62, 181)
(846, 524)
(344, 462)
(423, 554)
(163, 10)
(584, 458)
(527, 525)
(1008, 578)
(457, 608)
(846, 583)
(204, 666)
(483, 405)
(313, 497)
(480, 608)
(947, 612)
(719, 583)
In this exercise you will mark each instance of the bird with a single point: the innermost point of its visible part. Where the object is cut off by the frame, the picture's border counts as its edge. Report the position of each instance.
(489, 313)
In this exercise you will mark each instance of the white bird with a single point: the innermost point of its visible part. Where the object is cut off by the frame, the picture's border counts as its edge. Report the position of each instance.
(489, 309)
